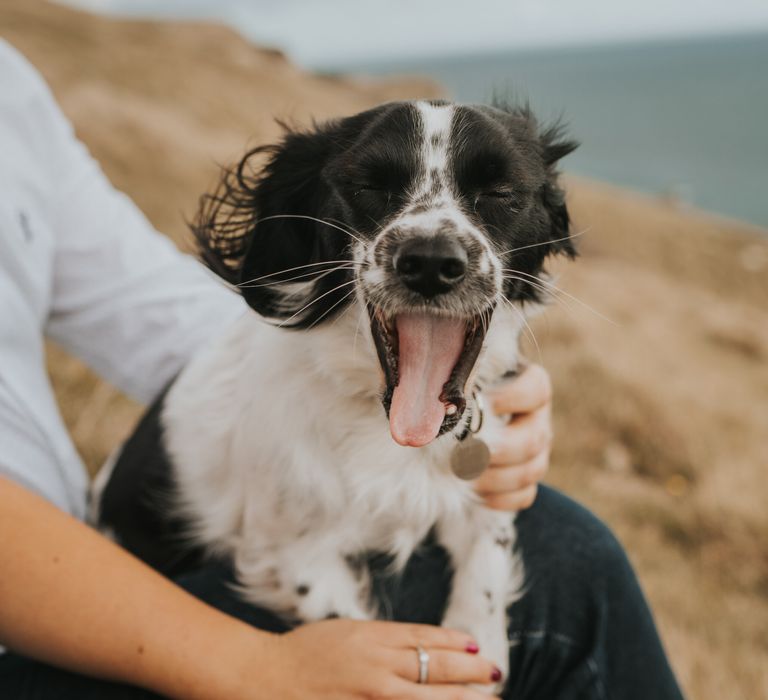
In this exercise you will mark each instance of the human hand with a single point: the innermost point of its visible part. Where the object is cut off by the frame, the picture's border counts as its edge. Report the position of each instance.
(521, 459)
(356, 660)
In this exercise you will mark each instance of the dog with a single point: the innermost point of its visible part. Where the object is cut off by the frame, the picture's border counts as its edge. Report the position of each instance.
(391, 258)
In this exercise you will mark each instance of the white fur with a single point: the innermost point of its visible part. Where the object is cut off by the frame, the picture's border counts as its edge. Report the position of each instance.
(436, 121)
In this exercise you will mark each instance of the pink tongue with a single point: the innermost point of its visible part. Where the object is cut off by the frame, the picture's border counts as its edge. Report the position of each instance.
(430, 347)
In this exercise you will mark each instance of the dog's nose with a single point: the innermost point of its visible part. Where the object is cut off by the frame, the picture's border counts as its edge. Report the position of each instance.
(431, 266)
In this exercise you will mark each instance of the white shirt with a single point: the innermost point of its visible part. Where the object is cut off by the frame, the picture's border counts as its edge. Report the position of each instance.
(80, 264)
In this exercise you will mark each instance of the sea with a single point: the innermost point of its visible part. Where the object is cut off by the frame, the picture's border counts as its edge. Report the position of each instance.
(686, 120)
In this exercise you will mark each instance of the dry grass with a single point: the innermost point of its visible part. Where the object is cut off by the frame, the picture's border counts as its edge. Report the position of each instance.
(662, 415)
(666, 419)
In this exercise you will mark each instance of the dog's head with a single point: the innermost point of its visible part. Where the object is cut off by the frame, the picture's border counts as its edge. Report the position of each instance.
(428, 213)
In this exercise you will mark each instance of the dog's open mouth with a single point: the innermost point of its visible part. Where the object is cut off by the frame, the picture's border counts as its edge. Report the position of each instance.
(427, 360)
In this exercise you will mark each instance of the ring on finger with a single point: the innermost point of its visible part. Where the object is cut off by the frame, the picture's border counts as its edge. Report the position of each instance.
(423, 664)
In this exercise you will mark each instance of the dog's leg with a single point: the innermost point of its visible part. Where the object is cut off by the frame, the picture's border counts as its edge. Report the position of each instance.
(307, 580)
(487, 577)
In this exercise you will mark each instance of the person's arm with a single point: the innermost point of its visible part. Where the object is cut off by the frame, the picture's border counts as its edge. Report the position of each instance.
(122, 297)
(72, 598)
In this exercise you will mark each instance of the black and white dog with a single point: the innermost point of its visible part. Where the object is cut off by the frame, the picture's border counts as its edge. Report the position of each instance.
(391, 258)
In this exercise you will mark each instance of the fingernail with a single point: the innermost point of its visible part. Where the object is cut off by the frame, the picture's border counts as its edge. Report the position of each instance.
(472, 648)
(496, 675)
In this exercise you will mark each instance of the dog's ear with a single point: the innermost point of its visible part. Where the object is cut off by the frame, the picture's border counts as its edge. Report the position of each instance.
(551, 143)
(554, 146)
(265, 230)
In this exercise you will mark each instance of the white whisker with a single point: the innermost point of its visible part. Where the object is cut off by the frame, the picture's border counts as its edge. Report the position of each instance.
(352, 230)
(550, 294)
(314, 275)
(354, 340)
(544, 290)
(310, 218)
(293, 269)
(556, 240)
(314, 301)
(327, 311)
(556, 289)
(529, 330)
(534, 284)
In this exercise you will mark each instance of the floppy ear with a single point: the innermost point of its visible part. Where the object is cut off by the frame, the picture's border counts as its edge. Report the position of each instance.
(552, 144)
(555, 146)
(265, 231)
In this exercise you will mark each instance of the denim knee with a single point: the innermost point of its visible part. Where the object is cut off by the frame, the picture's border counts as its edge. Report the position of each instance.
(583, 615)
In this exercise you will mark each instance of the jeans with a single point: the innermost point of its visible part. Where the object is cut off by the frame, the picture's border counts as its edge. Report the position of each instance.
(582, 631)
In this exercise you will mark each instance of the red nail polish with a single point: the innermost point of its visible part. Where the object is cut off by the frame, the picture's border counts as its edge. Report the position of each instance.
(496, 675)
(472, 648)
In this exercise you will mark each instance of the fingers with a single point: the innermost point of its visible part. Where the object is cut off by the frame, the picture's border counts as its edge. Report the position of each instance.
(520, 456)
(512, 501)
(525, 393)
(515, 477)
(523, 439)
(446, 667)
(453, 662)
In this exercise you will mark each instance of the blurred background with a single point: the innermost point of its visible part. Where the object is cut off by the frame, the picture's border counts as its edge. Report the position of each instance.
(658, 345)
(669, 98)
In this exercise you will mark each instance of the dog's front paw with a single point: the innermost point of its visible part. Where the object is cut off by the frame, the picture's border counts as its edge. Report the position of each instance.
(490, 633)
(331, 588)
(326, 600)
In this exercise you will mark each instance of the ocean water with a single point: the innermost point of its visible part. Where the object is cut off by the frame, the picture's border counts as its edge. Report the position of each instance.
(687, 119)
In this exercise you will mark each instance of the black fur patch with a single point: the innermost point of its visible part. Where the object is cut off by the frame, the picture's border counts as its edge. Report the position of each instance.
(135, 502)
(505, 174)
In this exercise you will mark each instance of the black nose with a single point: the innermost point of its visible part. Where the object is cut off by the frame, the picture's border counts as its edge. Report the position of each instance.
(431, 266)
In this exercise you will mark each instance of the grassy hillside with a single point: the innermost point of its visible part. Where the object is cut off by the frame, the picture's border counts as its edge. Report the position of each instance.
(662, 410)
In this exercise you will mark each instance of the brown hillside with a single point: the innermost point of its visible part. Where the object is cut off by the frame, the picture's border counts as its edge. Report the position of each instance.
(662, 412)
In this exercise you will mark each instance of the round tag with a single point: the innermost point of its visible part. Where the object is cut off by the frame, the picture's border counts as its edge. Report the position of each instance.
(470, 458)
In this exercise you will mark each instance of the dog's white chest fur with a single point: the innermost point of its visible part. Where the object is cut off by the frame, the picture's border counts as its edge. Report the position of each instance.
(283, 459)
(308, 446)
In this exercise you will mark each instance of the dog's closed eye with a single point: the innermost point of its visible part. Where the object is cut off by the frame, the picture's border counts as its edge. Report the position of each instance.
(479, 174)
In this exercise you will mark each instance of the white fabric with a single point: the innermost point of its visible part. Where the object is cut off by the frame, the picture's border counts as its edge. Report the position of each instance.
(80, 263)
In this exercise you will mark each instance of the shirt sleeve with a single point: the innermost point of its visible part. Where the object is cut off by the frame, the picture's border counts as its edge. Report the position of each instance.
(124, 298)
